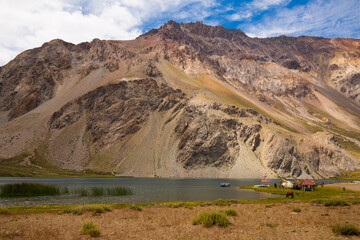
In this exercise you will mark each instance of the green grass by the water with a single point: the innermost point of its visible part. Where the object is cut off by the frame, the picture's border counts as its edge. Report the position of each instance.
(28, 190)
(34, 190)
(320, 194)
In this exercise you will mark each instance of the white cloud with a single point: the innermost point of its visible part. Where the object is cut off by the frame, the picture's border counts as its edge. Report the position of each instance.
(265, 4)
(325, 18)
(240, 16)
(254, 8)
(27, 24)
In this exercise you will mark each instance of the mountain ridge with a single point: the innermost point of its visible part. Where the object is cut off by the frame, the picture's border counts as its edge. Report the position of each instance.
(304, 93)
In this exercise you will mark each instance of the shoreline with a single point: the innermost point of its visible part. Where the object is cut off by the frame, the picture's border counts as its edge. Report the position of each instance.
(276, 196)
(275, 218)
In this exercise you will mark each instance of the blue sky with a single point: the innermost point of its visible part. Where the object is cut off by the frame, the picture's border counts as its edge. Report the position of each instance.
(27, 24)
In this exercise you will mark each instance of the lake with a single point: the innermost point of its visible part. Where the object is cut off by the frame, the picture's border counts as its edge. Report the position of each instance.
(145, 190)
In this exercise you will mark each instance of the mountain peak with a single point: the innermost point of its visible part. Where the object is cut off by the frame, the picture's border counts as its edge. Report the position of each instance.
(195, 28)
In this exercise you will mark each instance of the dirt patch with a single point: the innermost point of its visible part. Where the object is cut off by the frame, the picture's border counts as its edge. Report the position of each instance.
(350, 186)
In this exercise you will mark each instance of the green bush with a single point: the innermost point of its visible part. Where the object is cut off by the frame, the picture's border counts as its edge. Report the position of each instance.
(28, 190)
(78, 211)
(271, 225)
(90, 229)
(209, 219)
(95, 209)
(189, 205)
(231, 212)
(335, 203)
(345, 229)
(176, 205)
(204, 204)
(67, 210)
(136, 207)
(221, 202)
(355, 202)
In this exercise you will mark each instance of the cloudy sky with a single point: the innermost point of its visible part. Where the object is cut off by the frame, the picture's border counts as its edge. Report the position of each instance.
(27, 24)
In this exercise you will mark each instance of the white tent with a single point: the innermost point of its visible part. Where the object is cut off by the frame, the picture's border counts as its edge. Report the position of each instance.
(287, 184)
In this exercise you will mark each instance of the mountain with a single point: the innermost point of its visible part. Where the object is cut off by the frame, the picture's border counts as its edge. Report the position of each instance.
(184, 100)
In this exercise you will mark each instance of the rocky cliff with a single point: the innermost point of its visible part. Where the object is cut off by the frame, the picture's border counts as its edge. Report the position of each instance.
(184, 100)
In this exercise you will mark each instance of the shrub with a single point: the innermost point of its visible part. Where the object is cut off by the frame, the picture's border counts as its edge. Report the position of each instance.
(335, 203)
(136, 207)
(355, 202)
(78, 211)
(189, 205)
(272, 225)
(28, 190)
(14, 219)
(203, 204)
(345, 229)
(231, 212)
(297, 210)
(221, 202)
(176, 205)
(67, 210)
(90, 229)
(96, 209)
(209, 219)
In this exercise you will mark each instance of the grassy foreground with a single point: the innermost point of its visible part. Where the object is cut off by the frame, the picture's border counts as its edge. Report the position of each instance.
(326, 213)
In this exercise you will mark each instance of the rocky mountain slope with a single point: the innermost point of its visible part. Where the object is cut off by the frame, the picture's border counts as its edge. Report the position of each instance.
(184, 100)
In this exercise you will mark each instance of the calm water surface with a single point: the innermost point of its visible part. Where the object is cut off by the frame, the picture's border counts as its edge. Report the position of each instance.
(145, 190)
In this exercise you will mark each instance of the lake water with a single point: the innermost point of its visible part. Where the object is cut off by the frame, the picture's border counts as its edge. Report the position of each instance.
(145, 190)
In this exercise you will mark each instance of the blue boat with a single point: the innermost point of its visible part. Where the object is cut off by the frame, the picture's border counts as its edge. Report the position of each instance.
(225, 185)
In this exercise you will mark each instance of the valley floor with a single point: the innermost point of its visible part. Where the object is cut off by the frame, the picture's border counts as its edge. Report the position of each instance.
(265, 219)
(255, 221)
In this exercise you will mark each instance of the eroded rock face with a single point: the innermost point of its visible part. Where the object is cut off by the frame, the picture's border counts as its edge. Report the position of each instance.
(210, 134)
(215, 134)
(282, 156)
(320, 155)
(32, 77)
(117, 110)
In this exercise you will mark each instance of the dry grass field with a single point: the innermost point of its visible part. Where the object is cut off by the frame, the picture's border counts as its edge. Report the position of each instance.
(305, 217)
(254, 221)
